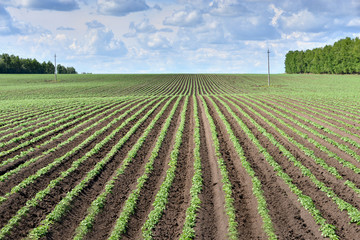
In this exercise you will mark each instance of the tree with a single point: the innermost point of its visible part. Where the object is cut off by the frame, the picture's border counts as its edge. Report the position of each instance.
(341, 58)
(71, 70)
(61, 69)
(15, 64)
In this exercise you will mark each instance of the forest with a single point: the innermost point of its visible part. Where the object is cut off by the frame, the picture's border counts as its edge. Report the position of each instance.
(343, 57)
(15, 64)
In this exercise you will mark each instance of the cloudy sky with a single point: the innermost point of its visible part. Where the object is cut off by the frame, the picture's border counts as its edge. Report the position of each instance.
(159, 36)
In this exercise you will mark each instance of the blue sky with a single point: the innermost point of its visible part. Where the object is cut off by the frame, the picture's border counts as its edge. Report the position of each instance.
(177, 36)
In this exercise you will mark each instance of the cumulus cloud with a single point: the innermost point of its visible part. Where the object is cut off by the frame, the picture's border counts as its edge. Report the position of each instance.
(99, 41)
(143, 27)
(251, 28)
(303, 21)
(199, 4)
(10, 26)
(6, 23)
(157, 7)
(184, 18)
(210, 33)
(121, 7)
(278, 13)
(62, 28)
(56, 5)
(228, 8)
(354, 22)
(95, 24)
(155, 42)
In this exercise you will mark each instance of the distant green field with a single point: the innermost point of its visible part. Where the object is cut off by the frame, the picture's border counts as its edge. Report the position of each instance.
(25, 90)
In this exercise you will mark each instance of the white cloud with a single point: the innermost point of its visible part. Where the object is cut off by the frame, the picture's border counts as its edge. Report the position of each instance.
(95, 24)
(6, 23)
(11, 26)
(251, 28)
(143, 27)
(184, 18)
(155, 41)
(121, 7)
(62, 28)
(211, 32)
(57, 5)
(206, 53)
(157, 7)
(278, 13)
(354, 22)
(99, 41)
(228, 8)
(303, 20)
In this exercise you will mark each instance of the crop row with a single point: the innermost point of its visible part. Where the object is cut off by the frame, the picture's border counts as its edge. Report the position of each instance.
(161, 197)
(308, 152)
(41, 194)
(66, 122)
(61, 208)
(185, 84)
(24, 153)
(35, 122)
(306, 201)
(26, 116)
(315, 132)
(59, 160)
(96, 206)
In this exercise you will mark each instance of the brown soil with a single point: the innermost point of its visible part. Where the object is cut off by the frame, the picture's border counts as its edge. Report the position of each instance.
(328, 208)
(18, 199)
(43, 139)
(65, 229)
(276, 192)
(337, 151)
(213, 221)
(36, 214)
(42, 162)
(305, 109)
(290, 219)
(152, 185)
(49, 118)
(172, 221)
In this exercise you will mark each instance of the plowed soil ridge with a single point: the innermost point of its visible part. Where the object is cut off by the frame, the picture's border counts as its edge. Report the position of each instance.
(40, 121)
(288, 137)
(172, 220)
(43, 139)
(64, 149)
(152, 185)
(56, 194)
(208, 223)
(26, 172)
(66, 228)
(276, 192)
(18, 199)
(329, 146)
(328, 208)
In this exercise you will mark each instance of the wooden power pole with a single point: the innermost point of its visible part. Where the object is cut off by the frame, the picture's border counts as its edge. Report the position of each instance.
(268, 53)
(55, 69)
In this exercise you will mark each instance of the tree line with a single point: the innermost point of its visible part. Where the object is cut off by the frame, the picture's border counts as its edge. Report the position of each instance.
(15, 64)
(341, 58)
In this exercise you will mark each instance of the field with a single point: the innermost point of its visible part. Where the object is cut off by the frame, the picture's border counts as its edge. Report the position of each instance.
(179, 156)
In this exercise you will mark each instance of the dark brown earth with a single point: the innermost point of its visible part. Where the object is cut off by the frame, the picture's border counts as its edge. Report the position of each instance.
(289, 218)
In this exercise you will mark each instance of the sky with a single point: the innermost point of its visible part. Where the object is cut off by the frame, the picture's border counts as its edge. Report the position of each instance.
(172, 36)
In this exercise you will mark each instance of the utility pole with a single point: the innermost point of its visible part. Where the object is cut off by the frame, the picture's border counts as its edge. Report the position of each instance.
(268, 52)
(55, 69)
